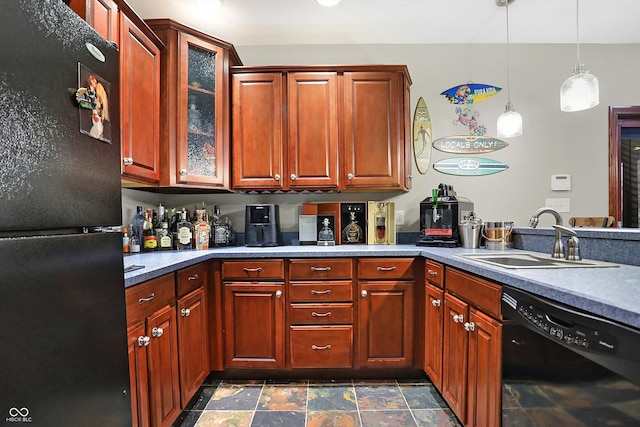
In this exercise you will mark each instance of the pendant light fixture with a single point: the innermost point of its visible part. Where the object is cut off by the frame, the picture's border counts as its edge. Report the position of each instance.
(328, 3)
(581, 91)
(509, 122)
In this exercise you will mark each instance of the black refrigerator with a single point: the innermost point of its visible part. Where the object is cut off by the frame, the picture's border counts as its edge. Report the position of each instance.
(63, 345)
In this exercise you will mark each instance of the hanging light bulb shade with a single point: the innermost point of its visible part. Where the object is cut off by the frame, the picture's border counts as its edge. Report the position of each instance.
(328, 3)
(510, 122)
(581, 90)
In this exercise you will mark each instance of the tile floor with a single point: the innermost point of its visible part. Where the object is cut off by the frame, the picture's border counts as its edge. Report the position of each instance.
(357, 403)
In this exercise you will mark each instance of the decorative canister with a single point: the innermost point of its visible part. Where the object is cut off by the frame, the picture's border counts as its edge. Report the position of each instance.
(470, 230)
(498, 235)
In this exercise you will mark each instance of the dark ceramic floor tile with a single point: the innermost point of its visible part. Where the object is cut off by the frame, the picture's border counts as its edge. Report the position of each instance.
(508, 400)
(435, 417)
(279, 419)
(380, 397)
(211, 381)
(235, 398)
(529, 396)
(242, 382)
(552, 417)
(515, 417)
(199, 400)
(333, 419)
(424, 380)
(387, 418)
(330, 382)
(187, 419)
(331, 398)
(375, 381)
(422, 396)
(225, 419)
(287, 382)
(283, 398)
(603, 416)
(630, 408)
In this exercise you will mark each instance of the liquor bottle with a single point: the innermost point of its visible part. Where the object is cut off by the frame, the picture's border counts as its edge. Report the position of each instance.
(125, 240)
(185, 233)
(137, 225)
(164, 237)
(231, 234)
(134, 243)
(201, 231)
(149, 241)
(352, 233)
(220, 237)
(381, 224)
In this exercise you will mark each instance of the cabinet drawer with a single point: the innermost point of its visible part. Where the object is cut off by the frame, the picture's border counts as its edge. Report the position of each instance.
(253, 269)
(321, 314)
(434, 273)
(191, 278)
(321, 346)
(321, 291)
(146, 298)
(474, 290)
(319, 269)
(385, 268)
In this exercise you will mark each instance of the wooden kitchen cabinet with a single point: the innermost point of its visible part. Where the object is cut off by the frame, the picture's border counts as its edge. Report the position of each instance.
(193, 328)
(472, 368)
(151, 316)
(434, 316)
(318, 127)
(194, 108)
(385, 314)
(254, 313)
(139, 85)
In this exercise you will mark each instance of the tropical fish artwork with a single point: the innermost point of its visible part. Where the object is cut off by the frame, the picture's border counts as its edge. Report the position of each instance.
(470, 93)
(466, 117)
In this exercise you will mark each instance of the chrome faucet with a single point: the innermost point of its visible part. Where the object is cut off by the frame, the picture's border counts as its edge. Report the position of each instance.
(558, 250)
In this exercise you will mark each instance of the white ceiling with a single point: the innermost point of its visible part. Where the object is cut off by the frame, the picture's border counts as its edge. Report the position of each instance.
(282, 22)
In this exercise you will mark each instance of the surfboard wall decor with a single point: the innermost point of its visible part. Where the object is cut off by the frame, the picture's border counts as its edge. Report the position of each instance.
(422, 136)
(470, 93)
(469, 166)
(468, 144)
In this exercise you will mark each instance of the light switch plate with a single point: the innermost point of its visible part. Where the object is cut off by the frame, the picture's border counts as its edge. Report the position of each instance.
(561, 205)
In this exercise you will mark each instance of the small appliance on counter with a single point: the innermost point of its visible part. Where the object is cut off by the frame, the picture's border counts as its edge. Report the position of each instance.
(262, 225)
(440, 216)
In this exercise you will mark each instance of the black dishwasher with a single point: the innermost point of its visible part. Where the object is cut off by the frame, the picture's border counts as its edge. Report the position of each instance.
(564, 367)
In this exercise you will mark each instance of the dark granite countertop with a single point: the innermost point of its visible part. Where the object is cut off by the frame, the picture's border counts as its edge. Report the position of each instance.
(613, 293)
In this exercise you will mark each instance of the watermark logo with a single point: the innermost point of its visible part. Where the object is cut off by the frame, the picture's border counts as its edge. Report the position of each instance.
(18, 415)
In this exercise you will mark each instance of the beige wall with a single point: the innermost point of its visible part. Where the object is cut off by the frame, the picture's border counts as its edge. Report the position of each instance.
(553, 142)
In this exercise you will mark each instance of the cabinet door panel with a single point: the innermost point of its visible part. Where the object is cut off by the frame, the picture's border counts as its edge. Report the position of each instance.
(485, 371)
(138, 374)
(163, 367)
(254, 315)
(257, 124)
(433, 341)
(454, 363)
(104, 19)
(373, 124)
(313, 130)
(193, 342)
(386, 324)
(140, 103)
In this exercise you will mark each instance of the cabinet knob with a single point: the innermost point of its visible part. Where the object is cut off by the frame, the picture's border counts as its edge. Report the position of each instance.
(435, 303)
(143, 341)
(469, 326)
(363, 293)
(183, 172)
(349, 176)
(185, 312)
(128, 161)
(277, 177)
(293, 177)
(278, 294)
(156, 332)
(458, 318)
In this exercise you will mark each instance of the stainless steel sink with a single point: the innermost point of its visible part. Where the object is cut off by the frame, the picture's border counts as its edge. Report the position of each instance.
(530, 260)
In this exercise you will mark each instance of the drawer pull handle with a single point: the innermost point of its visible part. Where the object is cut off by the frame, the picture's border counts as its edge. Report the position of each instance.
(321, 347)
(194, 277)
(252, 270)
(314, 292)
(386, 268)
(327, 314)
(149, 298)
(435, 303)
(432, 273)
(320, 268)
(458, 318)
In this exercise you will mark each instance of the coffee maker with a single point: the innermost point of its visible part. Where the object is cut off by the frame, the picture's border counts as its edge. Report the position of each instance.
(262, 225)
(440, 217)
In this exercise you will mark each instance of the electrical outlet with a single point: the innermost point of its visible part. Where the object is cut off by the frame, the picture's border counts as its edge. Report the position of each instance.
(561, 205)
(399, 217)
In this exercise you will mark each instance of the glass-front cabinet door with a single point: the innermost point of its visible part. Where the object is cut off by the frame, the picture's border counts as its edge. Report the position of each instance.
(200, 148)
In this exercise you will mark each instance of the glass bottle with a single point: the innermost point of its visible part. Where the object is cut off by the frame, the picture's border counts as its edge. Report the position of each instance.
(220, 235)
(184, 233)
(381, 223)
(149, 241)
(202, 231)
(137, 225)
(125, 240)
(353, 233)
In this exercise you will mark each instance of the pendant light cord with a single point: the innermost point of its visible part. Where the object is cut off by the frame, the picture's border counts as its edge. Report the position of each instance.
(508, 59)
(578, 28)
